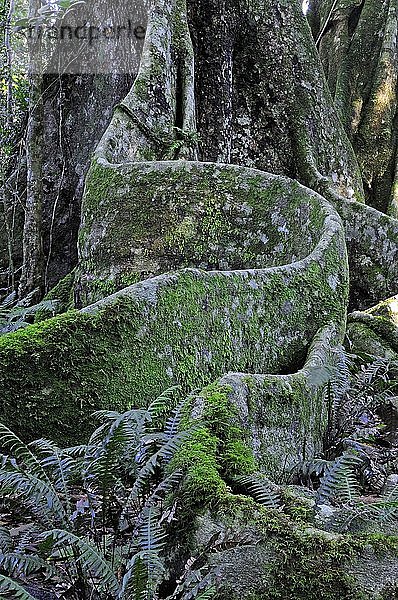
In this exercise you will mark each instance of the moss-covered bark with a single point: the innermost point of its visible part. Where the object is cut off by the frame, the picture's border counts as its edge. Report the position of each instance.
(144, 219)
(286, 558)
(189, 327)
(274, 113)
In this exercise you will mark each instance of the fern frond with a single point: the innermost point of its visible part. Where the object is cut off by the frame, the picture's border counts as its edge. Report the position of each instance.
(376, 369)
(87, 555)
(343, 521)
(134, 582)
(6, 541)
(112, 446)
(95, 438)
(9, 301)
(11, 589)
(163, 404)
(377, 513)
(384, 511)
(207, 595)
(132, 420)
(151, 537)
(166, 486)
(316, 467)
(204, 585)
(17, 564)
(340, 481)
(144, 572)
(172, 425)
(262, 490)
(160, 458)
(39, 496)
(347, 489)
(21, 452)
(145, 569)
(24, 540)
(340, 380)
(79, 451)
(390, 493)
(62, 467)
(16, 317)
(120, 431)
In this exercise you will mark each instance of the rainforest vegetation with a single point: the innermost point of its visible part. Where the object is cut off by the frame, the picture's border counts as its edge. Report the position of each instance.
(199, 300)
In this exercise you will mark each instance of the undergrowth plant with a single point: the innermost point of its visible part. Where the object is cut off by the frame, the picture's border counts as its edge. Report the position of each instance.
(14, 316)
(359, 454)
(97, 513)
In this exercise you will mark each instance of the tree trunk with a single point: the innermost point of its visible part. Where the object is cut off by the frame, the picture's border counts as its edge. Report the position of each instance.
(32, 268)
(358, 48)
(67, 98)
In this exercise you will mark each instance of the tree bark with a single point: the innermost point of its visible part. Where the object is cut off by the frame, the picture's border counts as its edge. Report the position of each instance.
(358, 48)
(32, 267)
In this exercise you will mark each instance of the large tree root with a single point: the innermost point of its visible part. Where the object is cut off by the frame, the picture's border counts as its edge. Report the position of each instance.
(191, 326)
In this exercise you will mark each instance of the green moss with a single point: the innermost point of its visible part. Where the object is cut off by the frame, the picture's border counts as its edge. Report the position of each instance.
(187, 329)
(372, 336)
(204, 216)
(62, 294)
(298, 562)
(203, 485)
(312, 566)
(380, 543)
(215, 452)
(298, 507)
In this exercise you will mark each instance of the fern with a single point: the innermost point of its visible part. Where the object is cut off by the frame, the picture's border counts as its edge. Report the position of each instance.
(378, 369)
(162, 457)
(6, 540)
(39, 496)
(87, 555)
(386, 510)
(21, 452)
(173, 423)
(11, 589)
(315, 468)
(151, 536)
(163, 488)
(24, 474)
(262, 490)
(340, 482)
(98, 508)
(162, 405)
(207, 595)
(336, 373)
(376, 514)
(20, 563)
(145, 569)
(62, 465)
(133, 507)
(112, 445)
(145, 572)
(204, 586)
(14, 317)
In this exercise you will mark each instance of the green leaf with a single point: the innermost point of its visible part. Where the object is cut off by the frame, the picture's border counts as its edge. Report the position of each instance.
(89, 557)
(11, 589)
